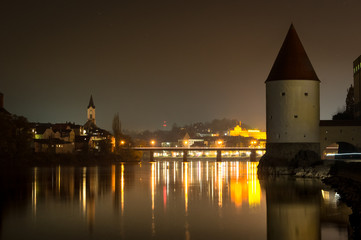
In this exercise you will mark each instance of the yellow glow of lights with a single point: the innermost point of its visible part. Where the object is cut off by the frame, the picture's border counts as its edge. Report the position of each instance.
(152, 142)
(325, 195)
(34, 190)
(185, 142)
(153, 184)
(84, 191)
(122, 142)
(245, 185)
(219, 142)
(122, 188)
(254, 188)
(113, 178)
(186, 186)
(220, 183)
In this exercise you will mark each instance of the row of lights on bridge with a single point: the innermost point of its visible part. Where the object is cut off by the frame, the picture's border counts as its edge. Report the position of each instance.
(186, 142)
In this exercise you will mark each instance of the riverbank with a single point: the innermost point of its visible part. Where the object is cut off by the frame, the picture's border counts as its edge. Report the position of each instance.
(345, 178)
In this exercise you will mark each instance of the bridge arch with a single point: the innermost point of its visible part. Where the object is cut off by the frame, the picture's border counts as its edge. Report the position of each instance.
(347, 134)
(338, 148)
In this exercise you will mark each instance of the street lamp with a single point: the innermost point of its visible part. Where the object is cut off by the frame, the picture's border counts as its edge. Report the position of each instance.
(122, 142)
(253, 143)
(152, 142)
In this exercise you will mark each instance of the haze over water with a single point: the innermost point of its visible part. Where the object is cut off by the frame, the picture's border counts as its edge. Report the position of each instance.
(167, 200)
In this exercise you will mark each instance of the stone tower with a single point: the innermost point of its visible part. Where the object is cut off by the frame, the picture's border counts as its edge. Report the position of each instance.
(91, 110)
(292, 104)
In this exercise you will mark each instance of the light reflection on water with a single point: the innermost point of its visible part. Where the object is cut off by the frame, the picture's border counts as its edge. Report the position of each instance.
(172, 200)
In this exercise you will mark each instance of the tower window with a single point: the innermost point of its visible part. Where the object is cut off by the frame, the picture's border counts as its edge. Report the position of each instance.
(283, 93)
(295, 116)
(306, 94)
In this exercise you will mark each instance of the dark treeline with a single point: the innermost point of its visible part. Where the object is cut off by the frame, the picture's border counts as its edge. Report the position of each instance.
(348, 113)
(16, 138)
(217, 126)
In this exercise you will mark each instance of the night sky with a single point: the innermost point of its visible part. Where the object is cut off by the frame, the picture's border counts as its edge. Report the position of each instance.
(180, 61)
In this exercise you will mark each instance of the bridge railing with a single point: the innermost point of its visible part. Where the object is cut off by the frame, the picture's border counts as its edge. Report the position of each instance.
(185, 150)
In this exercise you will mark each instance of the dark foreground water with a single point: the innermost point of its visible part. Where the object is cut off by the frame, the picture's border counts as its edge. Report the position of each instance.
(166, 200)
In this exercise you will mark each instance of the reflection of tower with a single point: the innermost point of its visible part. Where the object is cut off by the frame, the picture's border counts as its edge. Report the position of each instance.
(292, 102)
(91, 110)
(293, 210)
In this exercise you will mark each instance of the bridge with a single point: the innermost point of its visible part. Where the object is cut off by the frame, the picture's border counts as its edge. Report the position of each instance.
(185, 150)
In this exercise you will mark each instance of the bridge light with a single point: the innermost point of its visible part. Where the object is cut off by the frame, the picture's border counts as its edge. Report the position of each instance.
(253, 143)
(152, 142)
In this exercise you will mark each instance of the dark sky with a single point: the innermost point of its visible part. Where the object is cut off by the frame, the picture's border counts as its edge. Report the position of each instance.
(180, 61)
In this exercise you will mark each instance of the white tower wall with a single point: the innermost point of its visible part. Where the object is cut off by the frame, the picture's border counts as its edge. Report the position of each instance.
(293, 111)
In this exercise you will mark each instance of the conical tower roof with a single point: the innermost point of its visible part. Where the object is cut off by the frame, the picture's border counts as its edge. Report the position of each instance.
(91, 103)
(292, 62)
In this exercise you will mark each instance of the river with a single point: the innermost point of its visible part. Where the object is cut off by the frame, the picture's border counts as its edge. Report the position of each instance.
(167, 200)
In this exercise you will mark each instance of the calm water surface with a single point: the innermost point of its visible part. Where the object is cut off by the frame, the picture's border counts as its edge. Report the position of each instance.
(167, 200)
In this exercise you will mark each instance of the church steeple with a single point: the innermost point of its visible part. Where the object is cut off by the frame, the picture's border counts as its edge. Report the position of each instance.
(91, 103)
(292, 62)
(91, 110)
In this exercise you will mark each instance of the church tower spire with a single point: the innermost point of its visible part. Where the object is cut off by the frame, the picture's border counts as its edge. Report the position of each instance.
(91, 110)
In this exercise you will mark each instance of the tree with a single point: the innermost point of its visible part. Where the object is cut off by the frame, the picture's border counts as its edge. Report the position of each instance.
(348, 114)
(117, 131)
(350, 100)
(15, 141)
